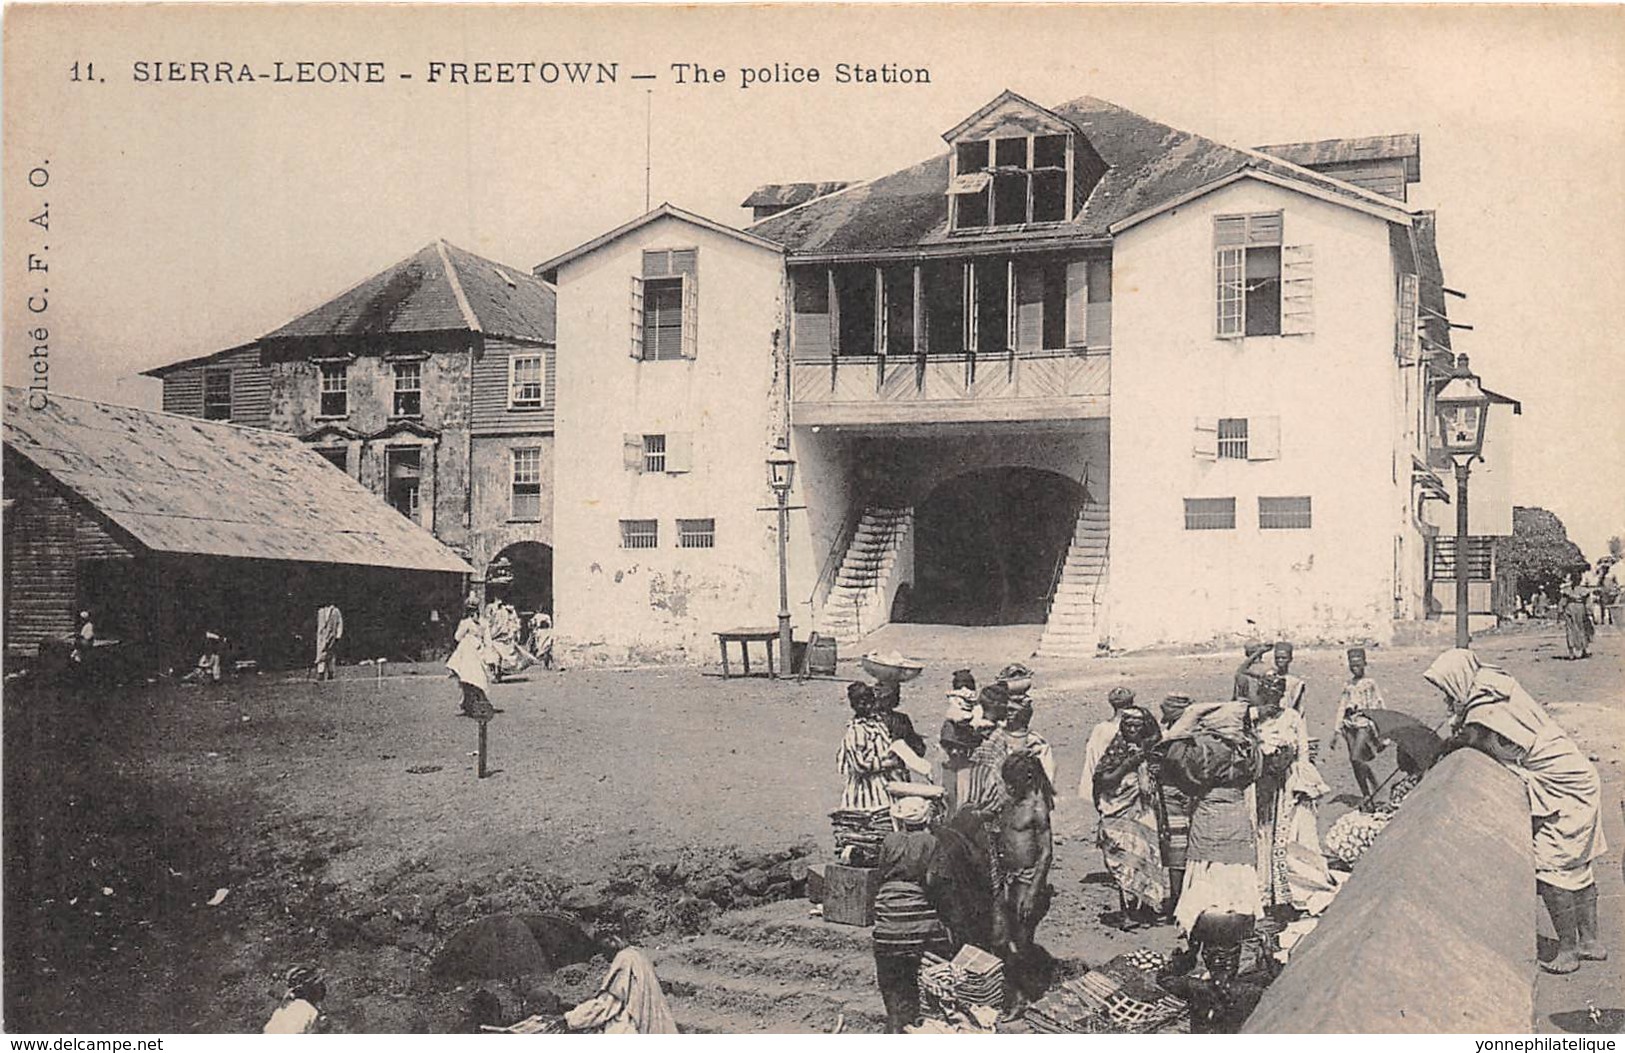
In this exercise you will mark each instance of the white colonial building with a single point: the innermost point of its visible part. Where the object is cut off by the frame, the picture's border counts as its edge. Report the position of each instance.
(1082, 370)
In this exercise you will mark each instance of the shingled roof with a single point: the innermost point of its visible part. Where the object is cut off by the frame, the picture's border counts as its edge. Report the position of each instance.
(181, 485)
(1151, 164)
(438, 289)
(788, 194)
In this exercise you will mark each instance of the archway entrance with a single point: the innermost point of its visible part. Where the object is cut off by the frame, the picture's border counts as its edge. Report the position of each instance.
(522, 574)
(987, 545)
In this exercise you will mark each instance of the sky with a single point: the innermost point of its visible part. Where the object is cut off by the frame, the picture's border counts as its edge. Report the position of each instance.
(190, 217)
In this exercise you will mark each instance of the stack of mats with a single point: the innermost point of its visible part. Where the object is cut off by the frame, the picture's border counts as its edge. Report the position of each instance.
(861, 832)
(973, 979)
(1117, 998)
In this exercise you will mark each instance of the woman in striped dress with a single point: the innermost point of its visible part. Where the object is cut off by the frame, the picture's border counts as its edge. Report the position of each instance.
(865, 759)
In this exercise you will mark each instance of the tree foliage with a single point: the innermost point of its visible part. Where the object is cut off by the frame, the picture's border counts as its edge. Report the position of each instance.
(1539, 557)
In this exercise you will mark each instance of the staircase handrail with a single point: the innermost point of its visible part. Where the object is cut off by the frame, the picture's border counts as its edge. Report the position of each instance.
(1060, 564)
(831, 567)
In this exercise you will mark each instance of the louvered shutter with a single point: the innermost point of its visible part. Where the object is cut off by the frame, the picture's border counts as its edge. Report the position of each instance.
(637, 317)
(1297, 290)
(1229, 230)
(1263, 438)
(882, 313)
(919, 313)
(1264, 228)
(1077, 304)
(691, 316)
(684, 261)
(656, 263)
(834, 314)
(1205, 441)
(1231, 283)
(632, 452)
(1405, 323)
(972, 337)
(679, 451)
(1010, 303)
(1029, 309)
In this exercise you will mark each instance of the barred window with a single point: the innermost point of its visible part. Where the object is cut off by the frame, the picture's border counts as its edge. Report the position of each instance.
(408, 389)
(1479, 562)
(640, 533)
(335, 389)
(1210, 513)
(1283, 513)
(696, 533)
(527, 483)
(1233, 438)
(217, 394)
(654, 453)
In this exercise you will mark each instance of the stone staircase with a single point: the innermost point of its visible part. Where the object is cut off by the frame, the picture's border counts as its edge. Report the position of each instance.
(860, 600)
(772, 970)
(1075, 622)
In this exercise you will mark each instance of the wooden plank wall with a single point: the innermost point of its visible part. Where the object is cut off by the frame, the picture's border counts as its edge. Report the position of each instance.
(250, 388)
(490, 412)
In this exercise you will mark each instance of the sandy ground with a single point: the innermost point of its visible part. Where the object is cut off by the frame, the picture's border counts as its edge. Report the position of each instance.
(346, 824)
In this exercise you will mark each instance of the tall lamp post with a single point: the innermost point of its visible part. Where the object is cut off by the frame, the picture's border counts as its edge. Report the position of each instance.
(1463, 411)
(781, 473)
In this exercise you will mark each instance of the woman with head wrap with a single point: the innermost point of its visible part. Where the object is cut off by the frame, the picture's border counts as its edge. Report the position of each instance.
(1494, 714)
(1124, 795)
(1292, 870)
(865, 758)
(1578, 628)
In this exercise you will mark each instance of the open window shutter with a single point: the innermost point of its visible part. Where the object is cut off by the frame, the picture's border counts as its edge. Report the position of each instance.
(679, 451)
(1297, 290)
(1230, 272)
(637, 316)
(1029, 309)
(1205, 443)
(971, 327)
(632, 451)
(691, 316)
(882, 313)
(1263, 438)
(919, 314)
(1405, 335)
(834, 314)
(1077, 304)
(1010, 302)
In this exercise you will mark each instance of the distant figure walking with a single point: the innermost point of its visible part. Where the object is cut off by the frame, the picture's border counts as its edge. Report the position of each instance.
(467, 662)
(1578, 628)
(329, 631)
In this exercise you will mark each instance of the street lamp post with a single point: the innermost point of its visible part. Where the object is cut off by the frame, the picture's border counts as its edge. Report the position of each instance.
(781, 473)
(1463, 411)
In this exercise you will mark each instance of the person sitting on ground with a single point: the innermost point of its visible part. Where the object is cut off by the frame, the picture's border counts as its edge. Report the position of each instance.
(300, 1011)
(906, 923)
(1353, 719)
(1494, 714)
(1023, 852)
(865, 759)
(209, 665)
(1124, 796)
(628, 1002)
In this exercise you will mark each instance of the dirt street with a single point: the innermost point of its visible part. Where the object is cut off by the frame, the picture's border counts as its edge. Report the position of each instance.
(346, 827)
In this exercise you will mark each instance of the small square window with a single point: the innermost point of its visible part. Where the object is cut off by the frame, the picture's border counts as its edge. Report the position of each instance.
(525, 381)
(217, 394)
(696, 533)
(1210, 513)
(1283, 513)
(1233, 438)
(640, 533)
(337, 456)
(335, 387)
(654, 453)
(408, 389)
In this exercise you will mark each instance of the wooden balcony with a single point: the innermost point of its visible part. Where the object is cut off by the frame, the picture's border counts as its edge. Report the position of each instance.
(1026, 385)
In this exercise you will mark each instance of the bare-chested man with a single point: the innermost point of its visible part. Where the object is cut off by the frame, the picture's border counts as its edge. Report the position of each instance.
(1025, 849)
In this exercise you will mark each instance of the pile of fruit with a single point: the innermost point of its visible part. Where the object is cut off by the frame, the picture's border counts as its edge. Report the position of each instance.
(1352, 834)
(1147, 960)
(1401, 789)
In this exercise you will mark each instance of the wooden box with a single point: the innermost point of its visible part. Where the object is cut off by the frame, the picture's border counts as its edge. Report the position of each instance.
(815, 882)
(849, 894)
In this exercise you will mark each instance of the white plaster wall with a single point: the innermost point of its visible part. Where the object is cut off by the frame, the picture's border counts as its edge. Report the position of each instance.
(617, 605)
(1333, 392)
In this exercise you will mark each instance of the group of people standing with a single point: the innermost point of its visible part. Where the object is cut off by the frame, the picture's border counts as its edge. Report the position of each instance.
(490, 643)
(1207, 812)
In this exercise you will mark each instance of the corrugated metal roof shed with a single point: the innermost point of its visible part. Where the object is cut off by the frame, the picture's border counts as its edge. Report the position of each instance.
(440, 288)
(1149, 163)
(182, 485)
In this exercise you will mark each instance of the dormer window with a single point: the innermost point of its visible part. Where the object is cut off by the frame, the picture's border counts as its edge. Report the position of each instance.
(1010, 181)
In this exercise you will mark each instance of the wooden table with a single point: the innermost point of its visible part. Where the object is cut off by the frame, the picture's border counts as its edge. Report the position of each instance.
(744, 638)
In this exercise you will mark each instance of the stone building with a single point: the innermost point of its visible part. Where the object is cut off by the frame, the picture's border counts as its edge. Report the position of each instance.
(431, 383)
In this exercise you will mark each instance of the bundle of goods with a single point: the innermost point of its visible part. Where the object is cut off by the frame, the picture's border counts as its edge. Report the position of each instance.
(1401, 789)
(891, 667)
(974, 979)
(1119, 997)
(1352, 834)
(858, 834)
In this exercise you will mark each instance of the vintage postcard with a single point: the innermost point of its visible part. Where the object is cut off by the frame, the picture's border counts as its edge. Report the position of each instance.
(813, 519)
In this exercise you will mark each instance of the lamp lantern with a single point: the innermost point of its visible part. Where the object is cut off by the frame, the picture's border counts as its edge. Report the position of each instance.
(781, 468)
(1463, 411)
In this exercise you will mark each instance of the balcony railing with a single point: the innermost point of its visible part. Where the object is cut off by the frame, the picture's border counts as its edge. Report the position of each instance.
(1053, 383)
